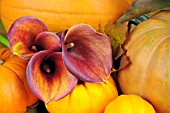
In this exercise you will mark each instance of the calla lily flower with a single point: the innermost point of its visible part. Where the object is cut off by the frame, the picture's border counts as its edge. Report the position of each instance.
(48, 77)
(57, 63)
(90, 58)
(26, 34)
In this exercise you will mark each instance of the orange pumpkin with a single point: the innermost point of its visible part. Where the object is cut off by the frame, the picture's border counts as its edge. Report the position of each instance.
(14, 92)
(148, 74)
(86, 98)
(0, 9)
(2, 45)
(129, 104)
(60, 15)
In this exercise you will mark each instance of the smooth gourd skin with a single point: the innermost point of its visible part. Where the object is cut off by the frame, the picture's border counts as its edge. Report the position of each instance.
(129, 104)
(86, 98)
(148, 74)
(60, 15)
(15, 94)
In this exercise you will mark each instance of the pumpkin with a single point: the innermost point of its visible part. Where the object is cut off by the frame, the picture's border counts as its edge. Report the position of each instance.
(86, 97)
(0, 9)
(129, 104)
(2, 45)
(148, 74)
(15, 94)
(60, 15)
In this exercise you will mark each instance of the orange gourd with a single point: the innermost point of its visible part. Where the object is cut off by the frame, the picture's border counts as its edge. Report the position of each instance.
(0, 9)
(148, 74)
(86, 98)
(60, 15)
(14, 92)
(129, 104)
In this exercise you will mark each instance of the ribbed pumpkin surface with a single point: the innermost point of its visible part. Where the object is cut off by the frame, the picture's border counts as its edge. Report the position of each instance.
(14, 91)
(60, 15)
(86, 98)
(148, 74)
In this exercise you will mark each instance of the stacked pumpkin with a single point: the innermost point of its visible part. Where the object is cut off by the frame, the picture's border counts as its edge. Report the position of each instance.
(145, 81)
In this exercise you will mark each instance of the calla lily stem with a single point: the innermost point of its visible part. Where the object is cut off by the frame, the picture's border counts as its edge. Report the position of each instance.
(4, 40)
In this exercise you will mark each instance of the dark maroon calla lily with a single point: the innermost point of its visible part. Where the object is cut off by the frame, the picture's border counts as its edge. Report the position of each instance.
(22, 37)
(87, 54)
(48, 77)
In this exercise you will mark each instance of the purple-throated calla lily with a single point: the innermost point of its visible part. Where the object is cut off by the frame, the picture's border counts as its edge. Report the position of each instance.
(90, 55)
(48, 77)
(56, 63)
(24, 40)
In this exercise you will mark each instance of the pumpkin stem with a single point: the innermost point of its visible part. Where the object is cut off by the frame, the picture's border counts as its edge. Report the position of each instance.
(1, 62)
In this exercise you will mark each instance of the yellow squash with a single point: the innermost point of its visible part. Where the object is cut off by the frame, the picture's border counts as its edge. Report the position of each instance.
(129, 104)
(86, 98)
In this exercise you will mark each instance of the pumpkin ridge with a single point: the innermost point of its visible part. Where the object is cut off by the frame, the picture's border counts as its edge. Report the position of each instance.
(17, 64)
(13, 71)
(59, 13)
(155, 21)
(154, 50)
(4, 50)
(4, 54)
(19, 79)
(24, 85)
(148, 73)
(140, 35)
(4, 67)
(150, 55)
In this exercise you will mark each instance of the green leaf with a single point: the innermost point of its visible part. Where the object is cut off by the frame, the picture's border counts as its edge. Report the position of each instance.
(3, 36)
(3, 32)
(117, 34)
(141, 7)
(3, 40)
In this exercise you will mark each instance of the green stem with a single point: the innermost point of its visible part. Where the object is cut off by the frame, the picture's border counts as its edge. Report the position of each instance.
(4, 40)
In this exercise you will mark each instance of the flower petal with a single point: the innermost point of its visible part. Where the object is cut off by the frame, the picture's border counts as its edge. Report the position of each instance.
(47, 41)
